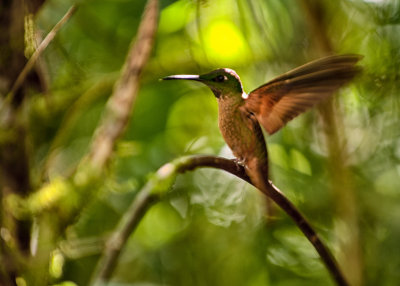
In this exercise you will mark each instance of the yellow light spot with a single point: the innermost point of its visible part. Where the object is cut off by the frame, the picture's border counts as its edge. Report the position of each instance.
(20, 281)
(56, 264)
(49, 195)
(225, 43)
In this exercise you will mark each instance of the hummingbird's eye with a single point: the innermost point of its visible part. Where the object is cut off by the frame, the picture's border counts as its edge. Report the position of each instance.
(220, 78)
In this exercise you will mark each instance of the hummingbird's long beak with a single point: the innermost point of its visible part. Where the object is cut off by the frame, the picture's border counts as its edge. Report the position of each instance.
(183, 76)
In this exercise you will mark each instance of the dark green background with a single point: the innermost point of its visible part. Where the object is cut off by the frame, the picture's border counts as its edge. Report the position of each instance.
(213, 230)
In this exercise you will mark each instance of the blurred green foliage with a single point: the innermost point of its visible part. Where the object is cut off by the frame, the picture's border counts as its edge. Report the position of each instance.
(212, 231)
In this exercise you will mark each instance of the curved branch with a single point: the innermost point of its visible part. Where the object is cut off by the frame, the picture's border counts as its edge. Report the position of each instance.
(163, 179)
(105, 267)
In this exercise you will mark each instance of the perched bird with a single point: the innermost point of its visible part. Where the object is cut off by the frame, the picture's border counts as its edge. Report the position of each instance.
(271, 105)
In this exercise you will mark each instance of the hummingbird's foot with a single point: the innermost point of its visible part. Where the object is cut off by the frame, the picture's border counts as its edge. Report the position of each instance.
(240, 162)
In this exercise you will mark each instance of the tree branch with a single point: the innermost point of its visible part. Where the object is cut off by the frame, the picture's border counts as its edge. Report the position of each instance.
(35, 56)
(105, 267)
(163, 179)
(120, 104)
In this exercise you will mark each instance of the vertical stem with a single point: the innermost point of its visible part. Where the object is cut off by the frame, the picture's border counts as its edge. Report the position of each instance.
(342, 187)
(14, 155)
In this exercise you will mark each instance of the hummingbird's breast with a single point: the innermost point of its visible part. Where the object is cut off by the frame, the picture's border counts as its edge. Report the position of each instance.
(241, 130)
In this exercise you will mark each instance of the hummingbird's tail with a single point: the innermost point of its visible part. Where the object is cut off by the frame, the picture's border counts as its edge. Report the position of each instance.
(257, 171)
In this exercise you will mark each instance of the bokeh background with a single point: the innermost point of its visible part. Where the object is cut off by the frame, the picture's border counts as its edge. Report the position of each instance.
(339, 163)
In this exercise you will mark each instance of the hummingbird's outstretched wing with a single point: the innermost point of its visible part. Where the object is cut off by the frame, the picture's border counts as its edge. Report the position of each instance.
(285, 97)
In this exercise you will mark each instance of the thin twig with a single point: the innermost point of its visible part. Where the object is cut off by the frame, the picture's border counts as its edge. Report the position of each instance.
(163, 179)
(119, 106)
(35, 56)
(118, 112)
(107, 263)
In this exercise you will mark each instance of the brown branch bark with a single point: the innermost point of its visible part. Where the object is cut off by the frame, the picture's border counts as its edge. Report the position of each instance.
(156, 187)
(120, 104)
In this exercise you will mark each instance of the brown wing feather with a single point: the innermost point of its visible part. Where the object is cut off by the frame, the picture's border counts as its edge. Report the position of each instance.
(285, 97)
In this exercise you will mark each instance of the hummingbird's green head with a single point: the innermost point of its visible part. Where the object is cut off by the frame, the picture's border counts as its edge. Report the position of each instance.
(221, 81)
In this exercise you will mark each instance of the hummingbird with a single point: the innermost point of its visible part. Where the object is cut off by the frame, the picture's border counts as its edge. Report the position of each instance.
(241, 115)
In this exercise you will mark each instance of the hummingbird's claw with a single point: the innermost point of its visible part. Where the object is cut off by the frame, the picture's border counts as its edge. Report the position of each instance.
(239, 161)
